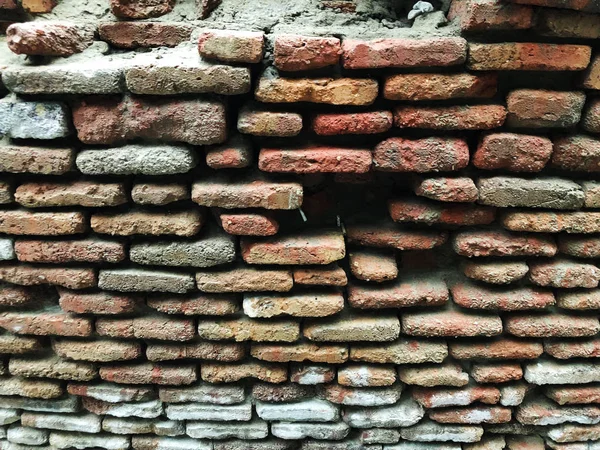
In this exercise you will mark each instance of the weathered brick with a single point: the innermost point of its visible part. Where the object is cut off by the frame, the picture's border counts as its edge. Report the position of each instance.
(433, 154)
(332, 124)
(461, 190)
(69, 404)
(45, 161)
(470, 295)
(532, 108)
(353, 328)
(99, 350)
(106, 441)
(405, 413)
(136, 280)
(549, 371)
(472, 415)
(13, 295)
(344, 395)
(331, 275)
(232, 46)
(203, 393)
(150, 409)
(110, 120)
(79, 193)
(34, 388)
(70, 278)
(313, 410)
(573, 395)
(197, 304)
(551, 325)
(132, 35)
(573, 433)
(247, 194)
(294, 53)
(423, 291)
(159, 194)
(99, 303)
(134, 426)
(256, 429)
(566, 349)
(512, 152)
(236, 153)
(85, 250)
(495, 272)
(552, 222)
(51, 367)
(403, 351)
(23, 222)
(541, 411)
(284, 392)
(392, 236)
(334, 91)
(311, 374)
(578, 152)
(260, 122)
(7, 251)
(434, 375)
(441, 397)
(249, 224)
(45, 323)
(48, 38)
(569, 4)
(591, 79)
(432, 52)
(6, 194)
(229, 373)
(148, 373)
(469, 117)
(16, 345)
(299, 305)
(429, 212)
(439, 86)
(366, 376)
(578, 299)
(114, 393)
(591, 190)
(195, 350)
(315, 159)
(373, 265)
(334, 431)
(428, 431)
(245, 279)
(186, 223)
(496, 372)
(560, 273)
(246, 329)
(451, 322)
(591, 118)
(167, 443)
(87, 423)
(330, 354)
(140, 9)
(528, 56)
(567, 24)
(488, 15)
(580, 246)
(148, 327)
(21, 119)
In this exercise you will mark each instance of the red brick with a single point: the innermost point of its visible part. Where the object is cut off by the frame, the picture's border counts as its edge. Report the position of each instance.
(235, 154)
(579, 299)
(149, 327)
(247, 194)
(230, 373)
(47, 38)
(23, 222)
(98, 350)
(475, 117)
(332, 124)
(419, 211)
(198, 304)
(148, 373)
(196, 350)
(85, 250)
(502, 243)
(140, 9)
(500, 348)
(470, 295)
(45, 161)
(45, 323)
(591, 118)
(245, 279)
(232, 46)
(559, 273)
(26, 275)
(567, 24)
(484, 15)
(512, 152)
(472, 415)
(308, 248)
(495, 272)
(130, 223)
(259, 122)
(432, 52)
(440, 397)
(552, 325)
(13, 295)
(580, 5)
(461, 190)
(579, 152)
(496, 373)
(551, 222)
(528, 56)
(566, 349)
(448, 374)
(249, 224)
(315, 160)
(591, 78)
(387, 235)
(373, 265)
(432, 154)
(424, 291)
(580, 246)
(531, 108)
(111, 120)
(98, 303)
(144, 34)
(331, 275)
(451, 323)
(330, 354)
(293, 53)
(159, 194)
(439, 86)
(574, 395)
(79, 193)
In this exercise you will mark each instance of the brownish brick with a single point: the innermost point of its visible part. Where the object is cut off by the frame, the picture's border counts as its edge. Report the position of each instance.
(13, 295)
(249, 224)
(245, 279)
(45, 323)
(471, 295)
(423, 291)
(330, 354)
(567, 24)
(148, 327)
(148, 373)
(533, 108)
(221, 373)
(484, 15)
(159, 194)
(144, 34)
(496, 372)
(232, 46)
(475, 117)
(45, 38)
(52, 367)
(513, 152)
(99, 303)
(500, 348)
(429, 212)
(16, 345)
(552, 325)
(331, 275)
(99, 350)
(451, 323)
(236, 153)
(472, 415)
(332, 124)
(317, 159)
(34, 388)
(294, 53)
(79, 193)
(45, 161)
(85, 250)
(22, 222)
(246, 329)
(567, 349)
(215, 351)
(388, 235)
(135, 9)
(186, 223)
(439, 86)
(591, 78)
(59, 276)
(198, 304)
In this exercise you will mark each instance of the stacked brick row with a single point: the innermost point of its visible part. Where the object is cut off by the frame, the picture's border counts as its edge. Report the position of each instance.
(262, 242)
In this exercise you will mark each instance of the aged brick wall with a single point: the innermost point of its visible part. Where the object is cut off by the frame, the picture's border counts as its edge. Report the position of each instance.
(305, 224)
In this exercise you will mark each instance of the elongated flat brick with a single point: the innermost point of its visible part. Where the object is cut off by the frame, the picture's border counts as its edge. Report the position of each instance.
(580, 299)
(236, 153)
(552, 325)
(249, 224)
(158, 327)
(186, 223)
(81, 193)
(330, 354)
(52, 367)
(439, 86)
(31, 388)
(580, 246)
(144, 34)
(495, 272)
(331, 275)
(562, 273)
(472, 415)
(140, 10)
(315, 160)
(231, 46)
(427, 291)
(48, 38)
(245, 279)
(574, 395)
(294, 52)
(85, 250)
(45, 161)
(402, 351)
(513, 152)
(476, 117)
(551, 222)
(451, 323)
(246, 329)
(99, 350)
(533, 108)
(197, 304)
(484, 15)
(577, 153)
(373, 265)
(387, 235)
(229, 373)
(567, 349)
(429, 212)
(99, 303)
(135, 280)
(299, 305)
(258, 122)
(353, 328)
(114, 393)
(502, 243)
(16, 345)
(333, 124)
(147, 373)
(483, 297)
(195, 350)
(159, 194)
(460, 189)
(26, 275)
(23, 222)
(45, 323)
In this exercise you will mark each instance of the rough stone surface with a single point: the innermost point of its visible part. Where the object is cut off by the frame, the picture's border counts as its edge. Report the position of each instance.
(20, 119)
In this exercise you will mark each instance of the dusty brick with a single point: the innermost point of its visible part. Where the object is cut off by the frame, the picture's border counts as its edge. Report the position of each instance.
(197, 304)
(147, 373)
(249, 224)
(203, 393)
(433, 52)
(167, 443)
(419, 211)
(541, 411)
(48, 38)
(502, 243)
(431, 154)
(307, 248)
(70, 278)
(366, 376)
(136, 280)
(571, 433)
(566, 349)
(441, 397)
(579, 299)
(439, 86)
(496, 272)
(579, 246)
(284, 392)
(45, 323)
(114, 393)
(140, 9)
(294, 53)
(591, 78)
(528, 56)
(353, 328)
(186, 223)
(462, 189)
(22, 119)
(315, 159)
(148, 327)
(487, 15)
(451, 323)
(314, 304)
(110, 120)
(13, 295)
(553, 324)
(35, 388)
(333, 91)
(434, 375)
(45, 161)
(591, 190)
(330, 354)
(85, 250)
(472, 415)
(99, 350)
(159, 194)
(151, 409)
(532, 108)
(52, 367)
(591, 118)
(221, 373)
(16, 345)
(371, 265)
(496, 372)
(132, 35)
(235, 154)
(246, 329)
(574, 395)
(99, 303)
(196, 350)
(311, 374)
(419, 291)
(245, 279)
(551, 222)
(332, 124)
(23, 222)
(388, 235)
(232, 46)
(513, 152)
(470, 295)
(247, 194)
(331, 275)
(403, 351)
(579, 152)
(474, 117)
(87, 423)
(561, 273)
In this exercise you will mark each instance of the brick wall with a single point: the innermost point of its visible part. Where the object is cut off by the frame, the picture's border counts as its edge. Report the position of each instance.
(221, 236)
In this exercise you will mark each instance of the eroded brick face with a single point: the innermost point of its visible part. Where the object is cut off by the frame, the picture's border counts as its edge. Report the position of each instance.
(299, 225)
